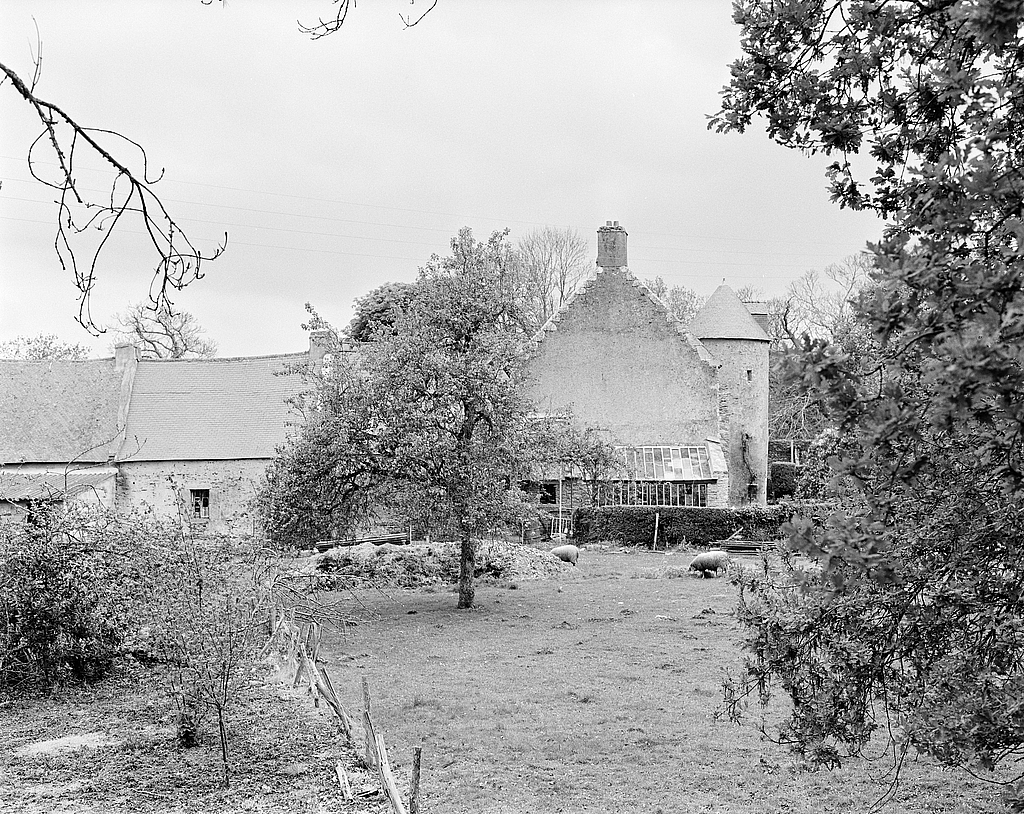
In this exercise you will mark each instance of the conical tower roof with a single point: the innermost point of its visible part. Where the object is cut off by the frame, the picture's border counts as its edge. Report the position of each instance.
(724, 316)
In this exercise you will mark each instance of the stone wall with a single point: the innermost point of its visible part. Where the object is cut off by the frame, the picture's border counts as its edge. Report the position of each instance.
(618, 361)
(165, 487)
(744, 378)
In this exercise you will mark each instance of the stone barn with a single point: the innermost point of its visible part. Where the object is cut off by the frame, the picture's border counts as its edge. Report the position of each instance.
(685, 406)
(188, 439)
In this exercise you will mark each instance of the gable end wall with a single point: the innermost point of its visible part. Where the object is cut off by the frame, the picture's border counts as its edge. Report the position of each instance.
(617, 359)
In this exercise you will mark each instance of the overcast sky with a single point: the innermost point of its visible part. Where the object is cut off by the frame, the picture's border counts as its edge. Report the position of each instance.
(337, 165)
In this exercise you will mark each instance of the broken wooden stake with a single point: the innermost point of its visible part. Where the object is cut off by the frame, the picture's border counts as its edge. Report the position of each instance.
(387, 779)
(346, 787)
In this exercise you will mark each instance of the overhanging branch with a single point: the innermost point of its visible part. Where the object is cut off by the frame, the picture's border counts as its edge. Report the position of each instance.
(179, 260)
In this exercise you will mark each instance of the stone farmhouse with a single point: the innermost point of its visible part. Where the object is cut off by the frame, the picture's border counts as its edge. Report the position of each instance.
(685, 407)
(187, 438)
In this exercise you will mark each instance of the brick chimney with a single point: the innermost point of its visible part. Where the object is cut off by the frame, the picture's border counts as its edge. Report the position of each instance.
(611, 246)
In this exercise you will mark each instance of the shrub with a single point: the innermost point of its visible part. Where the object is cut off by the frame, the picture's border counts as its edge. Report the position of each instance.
(209, 610)
(634, 525)
(70, 585)
(782, 479)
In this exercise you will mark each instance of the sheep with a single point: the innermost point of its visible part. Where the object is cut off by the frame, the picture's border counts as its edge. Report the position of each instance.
(709, 563)
(566, 553)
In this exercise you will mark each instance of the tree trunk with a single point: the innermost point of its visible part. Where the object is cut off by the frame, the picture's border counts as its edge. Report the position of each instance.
(467, 564)
(224, 746)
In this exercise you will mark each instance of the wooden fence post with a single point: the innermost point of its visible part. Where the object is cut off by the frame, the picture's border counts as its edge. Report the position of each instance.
(368, 727)
(414, 783)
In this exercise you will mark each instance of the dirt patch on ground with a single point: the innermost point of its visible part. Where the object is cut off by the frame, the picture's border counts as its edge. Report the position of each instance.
(111, 750)
(69, 743)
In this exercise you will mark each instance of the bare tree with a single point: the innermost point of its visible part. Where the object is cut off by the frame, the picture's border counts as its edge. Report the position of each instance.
(683, 302)
(323, 28)
(817, 305)
(160, 332)
(86, 221)
(820, 304)
(552, 262)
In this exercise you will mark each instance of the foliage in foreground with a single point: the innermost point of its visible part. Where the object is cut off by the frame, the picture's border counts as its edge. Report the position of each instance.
(910, 622)
(70, 586)
(211, 603)
(80, 588)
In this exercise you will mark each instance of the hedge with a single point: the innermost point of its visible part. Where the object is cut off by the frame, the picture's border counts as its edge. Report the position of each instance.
(677, 525)
(782, 479)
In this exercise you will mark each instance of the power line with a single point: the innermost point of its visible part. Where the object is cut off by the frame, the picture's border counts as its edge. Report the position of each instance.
(315, 199)
(222, 224)
(421, 259)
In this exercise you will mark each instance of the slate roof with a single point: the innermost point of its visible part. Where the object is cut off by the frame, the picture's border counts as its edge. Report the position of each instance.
(724, 316)
(58, 411)
(210, 409)
(16, 485)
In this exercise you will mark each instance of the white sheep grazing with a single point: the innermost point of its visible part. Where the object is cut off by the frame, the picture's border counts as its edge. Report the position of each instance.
(566, 553)
(709, 563)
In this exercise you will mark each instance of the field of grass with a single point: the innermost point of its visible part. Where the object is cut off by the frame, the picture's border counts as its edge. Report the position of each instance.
(593, 693)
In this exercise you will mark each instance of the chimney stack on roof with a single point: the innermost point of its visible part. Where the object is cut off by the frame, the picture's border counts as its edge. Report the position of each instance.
(125, 353)
(611, 245)
(321, 342)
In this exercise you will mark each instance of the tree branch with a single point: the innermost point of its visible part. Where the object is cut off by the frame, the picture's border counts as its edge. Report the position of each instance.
(179, 260)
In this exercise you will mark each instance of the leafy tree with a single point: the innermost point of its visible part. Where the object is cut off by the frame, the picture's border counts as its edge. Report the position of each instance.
(41, 347)
(378, 310)
(915, 609)
(585, 449)
(429, 418)
(160, 332)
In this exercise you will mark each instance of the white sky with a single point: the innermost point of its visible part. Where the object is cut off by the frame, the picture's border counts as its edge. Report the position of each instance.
(341, 164)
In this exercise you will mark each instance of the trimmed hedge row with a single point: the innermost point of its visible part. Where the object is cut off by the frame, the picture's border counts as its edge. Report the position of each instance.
(782, 478)
(634, 525)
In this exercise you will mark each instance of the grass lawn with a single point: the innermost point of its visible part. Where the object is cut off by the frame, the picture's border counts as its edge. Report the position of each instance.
(589, 692)
(592, 693)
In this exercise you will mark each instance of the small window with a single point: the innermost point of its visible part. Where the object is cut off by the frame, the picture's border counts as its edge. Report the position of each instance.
(750, 375)
(200, 504)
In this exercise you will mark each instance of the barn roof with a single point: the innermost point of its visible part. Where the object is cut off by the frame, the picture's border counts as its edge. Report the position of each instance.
(210, 409)
(15, 485)
(58, 411)
(96, 411)
(724, 316)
